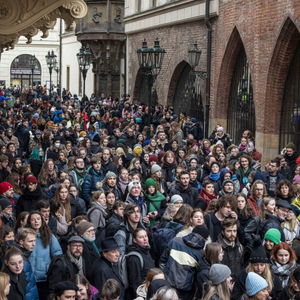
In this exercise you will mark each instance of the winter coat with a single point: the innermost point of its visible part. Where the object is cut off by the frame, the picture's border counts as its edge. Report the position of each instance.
(102, 270)
(18, 285)
(214, 226)
(97, 214)
(184, 256)
(189, 195)
(76, 208)
(113, 225)
(77, 178)
(137, 274)
(90, 254)
(31, 288)
(109, 166)
(60, 269)
(233, 256)
(272, 222)
(115, 190)
(266, 178)
(40, 258)
(89, 184)
(202, 276)
(28, 200)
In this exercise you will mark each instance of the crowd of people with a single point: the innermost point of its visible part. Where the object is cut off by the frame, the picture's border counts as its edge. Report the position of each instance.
(105, 199)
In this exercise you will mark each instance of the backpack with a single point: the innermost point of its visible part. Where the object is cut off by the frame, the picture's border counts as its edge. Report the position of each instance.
(123, 266)
(161, 238)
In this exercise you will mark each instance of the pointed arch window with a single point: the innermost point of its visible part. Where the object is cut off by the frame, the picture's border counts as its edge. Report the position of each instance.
(290, 112)
(241, 111)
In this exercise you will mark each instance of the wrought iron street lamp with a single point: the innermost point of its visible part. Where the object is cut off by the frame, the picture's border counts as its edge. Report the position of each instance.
(150, 61)
(84, 57)
(194, 54)
(32, 66)
(51, 63)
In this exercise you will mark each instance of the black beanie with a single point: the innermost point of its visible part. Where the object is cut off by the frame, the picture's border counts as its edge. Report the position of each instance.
(259, 255)
(202, 230)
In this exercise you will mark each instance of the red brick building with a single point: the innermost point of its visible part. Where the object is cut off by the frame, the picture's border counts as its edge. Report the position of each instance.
(255, 76)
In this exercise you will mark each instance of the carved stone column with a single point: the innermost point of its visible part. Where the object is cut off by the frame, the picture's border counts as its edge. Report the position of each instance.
(103, 30)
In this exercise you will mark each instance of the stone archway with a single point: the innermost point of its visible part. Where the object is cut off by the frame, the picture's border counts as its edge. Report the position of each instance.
(233, 48)
(283, 54)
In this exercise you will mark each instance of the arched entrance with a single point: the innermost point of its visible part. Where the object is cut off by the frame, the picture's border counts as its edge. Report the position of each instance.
(241, 111)
(290, 112)
(185, 92)
(25, 70)
(141, 90)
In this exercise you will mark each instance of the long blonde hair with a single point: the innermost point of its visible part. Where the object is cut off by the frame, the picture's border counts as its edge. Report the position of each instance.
(221, 290)
(4, 281)
(267, 275)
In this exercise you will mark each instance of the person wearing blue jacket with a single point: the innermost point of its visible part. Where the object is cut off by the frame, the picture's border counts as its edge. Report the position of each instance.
(92, 180)
(27, 238)
(47, 246)
(181, 266)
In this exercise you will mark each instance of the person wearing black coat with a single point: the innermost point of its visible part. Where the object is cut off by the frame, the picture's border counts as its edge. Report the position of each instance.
(187, 192)
(65, 266)
(137, 269)
(106, 267)
(259, 263)
(31, 195)
(114, 223)
(13, 266)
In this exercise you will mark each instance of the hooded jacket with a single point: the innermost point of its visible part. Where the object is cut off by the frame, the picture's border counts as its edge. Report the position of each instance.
(89, 184)
(183, 260)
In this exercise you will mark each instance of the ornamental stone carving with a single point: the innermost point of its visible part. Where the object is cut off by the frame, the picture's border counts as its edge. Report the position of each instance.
(27, 17)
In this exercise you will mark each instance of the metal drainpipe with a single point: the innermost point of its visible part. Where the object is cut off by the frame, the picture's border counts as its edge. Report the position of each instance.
(208, 65)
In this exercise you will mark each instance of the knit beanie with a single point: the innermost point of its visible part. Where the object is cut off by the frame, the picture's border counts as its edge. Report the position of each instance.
(255, 284)
(259, 255)
(218, 273)
(132, 184)
(31, 179)
(83, 226)
(4, 187)
(176, 198)
(273, 235)
(155, 168)
(202, 230)
(290, 145)
(138, 150)
(227, 181)
(4, 203)
(109, 174)
(152, 157)
(150, 182)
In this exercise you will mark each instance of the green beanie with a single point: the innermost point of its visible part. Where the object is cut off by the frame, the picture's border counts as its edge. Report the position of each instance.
(273, 235)
(150, 182)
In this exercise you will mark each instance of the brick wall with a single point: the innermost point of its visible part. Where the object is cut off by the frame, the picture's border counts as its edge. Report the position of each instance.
(176, 40)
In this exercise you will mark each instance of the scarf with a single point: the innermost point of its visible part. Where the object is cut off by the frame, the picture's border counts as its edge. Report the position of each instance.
(207, 197)
(78, 262)
(214, 176)
(123, 185)
(283, 271)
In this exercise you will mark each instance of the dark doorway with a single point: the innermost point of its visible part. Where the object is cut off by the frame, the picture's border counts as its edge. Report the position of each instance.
(241, 111)
(24, 74)
(290, 113)
(187, 96)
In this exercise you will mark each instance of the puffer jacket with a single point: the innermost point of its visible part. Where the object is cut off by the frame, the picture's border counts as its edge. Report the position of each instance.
(90, 182)
(40, 258)
(183, 261)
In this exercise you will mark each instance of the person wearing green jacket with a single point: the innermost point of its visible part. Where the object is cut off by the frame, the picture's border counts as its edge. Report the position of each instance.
(156, 202)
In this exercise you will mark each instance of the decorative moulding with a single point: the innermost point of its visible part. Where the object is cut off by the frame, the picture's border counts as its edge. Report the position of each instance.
(27, 17)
